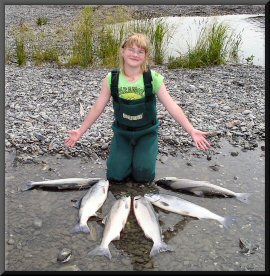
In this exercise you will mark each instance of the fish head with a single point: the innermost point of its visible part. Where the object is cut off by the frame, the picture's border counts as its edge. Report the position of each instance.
(135, 201)
(165, 180)
(152, 197)
(103, 183)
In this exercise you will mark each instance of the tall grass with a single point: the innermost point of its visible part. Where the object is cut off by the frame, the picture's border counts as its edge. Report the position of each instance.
(214, 46)
(160, 41)
(20, 41)
(82, 50)
(109, 42)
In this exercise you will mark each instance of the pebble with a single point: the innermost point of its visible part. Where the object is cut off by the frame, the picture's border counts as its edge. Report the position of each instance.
(10, 241)
(38, 223)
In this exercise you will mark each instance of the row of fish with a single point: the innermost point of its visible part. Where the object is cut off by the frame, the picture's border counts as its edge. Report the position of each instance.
(196, 187)
(115, 221)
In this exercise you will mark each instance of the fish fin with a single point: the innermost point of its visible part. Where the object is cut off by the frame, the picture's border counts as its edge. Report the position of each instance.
(243, 197)
(78, 228)
(197, 193)
(228, 221)
(164, 203)
(101, 251)
(161, 247)
(77, 203)
(93, 233)
(105, 219)
(28, 186)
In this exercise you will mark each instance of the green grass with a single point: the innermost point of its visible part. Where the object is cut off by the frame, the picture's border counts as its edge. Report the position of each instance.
(47, 55)
(161, 36)
(215, 46)
(20, 50)
(109, 42)
(41, 21)
(82, 50)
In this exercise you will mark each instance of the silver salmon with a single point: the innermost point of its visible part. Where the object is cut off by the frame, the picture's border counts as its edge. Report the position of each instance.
(114, 223)
(90, 204)
(62, 184)
(147, 219)
(200, 188)
(183, 207)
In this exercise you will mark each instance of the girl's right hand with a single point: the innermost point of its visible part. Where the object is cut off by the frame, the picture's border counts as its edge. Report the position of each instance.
(74, 136)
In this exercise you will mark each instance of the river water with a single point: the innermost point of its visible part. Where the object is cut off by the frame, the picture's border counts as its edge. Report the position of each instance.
(251, 29)
(38, 222)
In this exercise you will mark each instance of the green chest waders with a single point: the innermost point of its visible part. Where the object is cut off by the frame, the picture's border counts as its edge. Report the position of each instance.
(134, 146)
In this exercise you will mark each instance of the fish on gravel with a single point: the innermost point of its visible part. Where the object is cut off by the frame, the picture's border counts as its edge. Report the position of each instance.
(148, 221)
(62, 184)
(114, 223)
(200, 188)
(183, 207)
(89, 204)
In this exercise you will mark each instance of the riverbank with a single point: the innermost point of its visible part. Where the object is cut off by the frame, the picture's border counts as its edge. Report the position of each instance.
(42, 103)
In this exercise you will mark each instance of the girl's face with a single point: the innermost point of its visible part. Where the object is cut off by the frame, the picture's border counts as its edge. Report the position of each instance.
(133, 56)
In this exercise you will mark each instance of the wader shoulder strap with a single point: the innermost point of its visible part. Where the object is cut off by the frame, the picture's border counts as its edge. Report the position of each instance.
(114, 84)
(147, 78)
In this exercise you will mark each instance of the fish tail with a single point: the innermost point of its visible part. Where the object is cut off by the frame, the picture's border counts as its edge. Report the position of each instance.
(101, 251)
(28, 186)
(228, 221)
(160, 247)
(243, 197)
(80, 228)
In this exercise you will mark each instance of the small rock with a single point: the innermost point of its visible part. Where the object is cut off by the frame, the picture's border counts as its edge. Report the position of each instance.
(10, 241)
(38, 223)
(64, 255)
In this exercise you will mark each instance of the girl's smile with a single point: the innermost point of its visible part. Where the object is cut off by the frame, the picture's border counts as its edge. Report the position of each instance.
(133, 55)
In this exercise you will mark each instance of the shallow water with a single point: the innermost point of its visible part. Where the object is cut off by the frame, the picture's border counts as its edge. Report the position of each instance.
(251, 29)
(38, 222)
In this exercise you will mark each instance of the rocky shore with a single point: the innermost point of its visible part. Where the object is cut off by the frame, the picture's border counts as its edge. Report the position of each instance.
(42, 103)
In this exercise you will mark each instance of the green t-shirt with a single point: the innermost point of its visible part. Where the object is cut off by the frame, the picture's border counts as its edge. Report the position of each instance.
(135, 90)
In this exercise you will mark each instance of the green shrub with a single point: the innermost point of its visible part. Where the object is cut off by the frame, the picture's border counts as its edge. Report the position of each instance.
(41, 21)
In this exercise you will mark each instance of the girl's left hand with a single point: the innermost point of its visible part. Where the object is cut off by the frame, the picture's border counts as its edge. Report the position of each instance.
(200, 140)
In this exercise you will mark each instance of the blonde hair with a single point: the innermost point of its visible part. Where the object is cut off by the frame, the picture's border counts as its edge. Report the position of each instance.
(141, 41)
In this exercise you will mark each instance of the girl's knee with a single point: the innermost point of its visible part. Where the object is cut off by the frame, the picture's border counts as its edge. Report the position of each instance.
(143, 174)
(117, 173)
